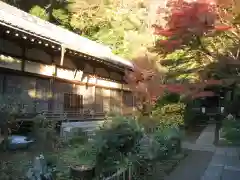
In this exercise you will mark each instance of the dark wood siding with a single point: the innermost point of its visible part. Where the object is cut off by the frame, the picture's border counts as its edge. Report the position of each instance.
(128, 102)
(99, 99)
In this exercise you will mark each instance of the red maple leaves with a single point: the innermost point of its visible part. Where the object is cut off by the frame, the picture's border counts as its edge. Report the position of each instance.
(147, 83)
(181, 20)
(145, 79)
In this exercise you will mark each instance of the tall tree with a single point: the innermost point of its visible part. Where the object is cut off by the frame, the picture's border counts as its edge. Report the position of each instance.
(112, 23)
(122, 25)
(202, 31)
(188, 30)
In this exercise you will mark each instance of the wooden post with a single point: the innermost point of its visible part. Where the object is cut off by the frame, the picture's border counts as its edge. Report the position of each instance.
(51, 89)
(130, 174)
(62, 54)
(122, 105)
(23, 59)
(94, 90)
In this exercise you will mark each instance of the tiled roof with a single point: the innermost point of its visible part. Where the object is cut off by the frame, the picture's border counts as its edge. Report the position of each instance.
(21, 20)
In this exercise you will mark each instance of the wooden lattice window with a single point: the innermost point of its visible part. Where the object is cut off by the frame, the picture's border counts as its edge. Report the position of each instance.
(73, 101)
(128, 102)
(115, 101)
(128, 99)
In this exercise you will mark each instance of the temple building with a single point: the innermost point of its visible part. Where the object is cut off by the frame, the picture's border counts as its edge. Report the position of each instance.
(54, 70)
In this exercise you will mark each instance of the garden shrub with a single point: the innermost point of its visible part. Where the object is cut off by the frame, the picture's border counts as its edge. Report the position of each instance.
(121, 142)
(154, 148)
(149, 123)
(79, 137)
(170, 138)
(231, 131)
(115, 139)
(170, 114)
(232, 107)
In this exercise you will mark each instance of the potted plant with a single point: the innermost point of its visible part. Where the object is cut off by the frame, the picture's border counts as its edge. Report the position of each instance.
(83, 172)
(84, 167)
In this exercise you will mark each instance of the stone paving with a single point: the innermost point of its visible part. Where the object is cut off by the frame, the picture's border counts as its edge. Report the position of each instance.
(204, 141)
(192, 167)
(224, 163)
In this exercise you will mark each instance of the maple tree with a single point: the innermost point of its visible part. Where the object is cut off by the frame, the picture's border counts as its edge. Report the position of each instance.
(190, 24)
(184, 22)
(147, 81)
(187, 25)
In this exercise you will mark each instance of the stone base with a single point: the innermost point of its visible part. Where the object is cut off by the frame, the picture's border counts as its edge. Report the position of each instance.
(69, 128)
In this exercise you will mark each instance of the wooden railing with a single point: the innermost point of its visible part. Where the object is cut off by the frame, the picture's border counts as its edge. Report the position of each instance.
(66, 115)
(82, 114)
(121, 174)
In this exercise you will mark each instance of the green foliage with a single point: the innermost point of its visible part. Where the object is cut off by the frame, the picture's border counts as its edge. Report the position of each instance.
(12, 104)
(160, 144)
(39, 12)
(170, 138)
(121, 142)
(170, 114)
(115, 139)
(232, 107)
(122, 29)
(113, 26)
(231, 131)
(62, 16)
(44, 131)
(41, 170)
(193, 115)
(79, 137)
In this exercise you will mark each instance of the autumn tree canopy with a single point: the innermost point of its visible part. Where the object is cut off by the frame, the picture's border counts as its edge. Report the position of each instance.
(183, 23)
(197, 27)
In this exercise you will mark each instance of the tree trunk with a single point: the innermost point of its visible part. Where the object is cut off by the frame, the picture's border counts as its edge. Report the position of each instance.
(50, 10)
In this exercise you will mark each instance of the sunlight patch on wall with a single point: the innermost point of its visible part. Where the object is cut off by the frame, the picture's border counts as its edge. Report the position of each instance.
(38, 68)
(10, 62)
(65, 74)
(32, 93)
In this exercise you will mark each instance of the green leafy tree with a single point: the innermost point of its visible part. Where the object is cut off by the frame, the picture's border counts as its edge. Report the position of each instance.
(121, 25)
(112, 24)
(39, 12)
